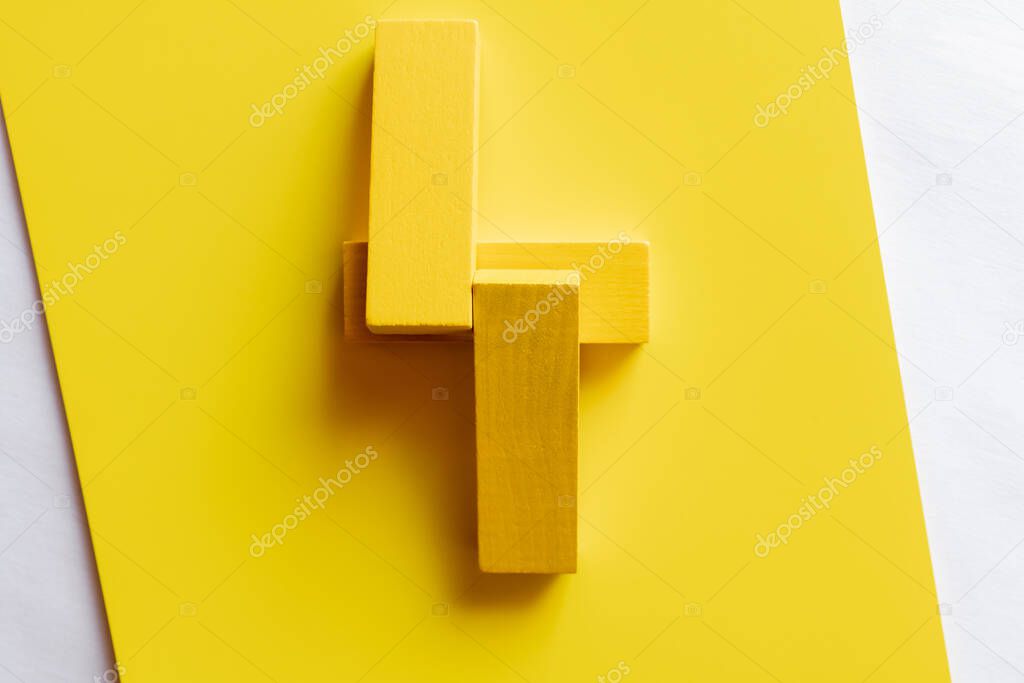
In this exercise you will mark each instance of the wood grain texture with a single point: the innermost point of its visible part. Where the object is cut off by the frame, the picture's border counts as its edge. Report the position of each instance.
(614, 287)
(423, 184)
(527, 367)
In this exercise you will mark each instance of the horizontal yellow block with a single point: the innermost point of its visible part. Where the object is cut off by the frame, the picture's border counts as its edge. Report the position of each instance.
(423, 184)
(613, 279)
(527, 367)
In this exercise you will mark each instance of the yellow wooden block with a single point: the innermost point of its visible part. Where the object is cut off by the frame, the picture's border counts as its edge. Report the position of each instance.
(613, 276)
(614, 280)
(526, 353)
(423, 177)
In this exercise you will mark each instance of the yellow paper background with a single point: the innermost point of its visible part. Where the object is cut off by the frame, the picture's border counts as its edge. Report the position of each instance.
(207, 386)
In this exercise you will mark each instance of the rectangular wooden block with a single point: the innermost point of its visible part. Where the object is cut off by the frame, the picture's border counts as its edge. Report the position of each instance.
(527, 368)
(614, 286)
(423, 183)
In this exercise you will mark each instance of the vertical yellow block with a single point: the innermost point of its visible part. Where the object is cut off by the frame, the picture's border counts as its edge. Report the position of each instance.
(526, 352)
(423, 185)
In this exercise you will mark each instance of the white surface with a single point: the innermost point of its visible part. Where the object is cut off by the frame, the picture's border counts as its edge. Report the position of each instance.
(941, 91)
(52, 624)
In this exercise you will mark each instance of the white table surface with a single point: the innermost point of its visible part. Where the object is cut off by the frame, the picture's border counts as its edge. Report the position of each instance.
(941, 92)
